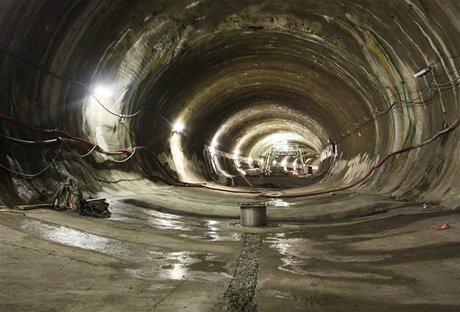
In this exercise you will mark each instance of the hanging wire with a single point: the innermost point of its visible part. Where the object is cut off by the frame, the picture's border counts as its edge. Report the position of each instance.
(433, 87)
(82, 84)
(33, 175)
(368, 174)
(131, 154)
(28, 142)
(79, 83)
(78, 155)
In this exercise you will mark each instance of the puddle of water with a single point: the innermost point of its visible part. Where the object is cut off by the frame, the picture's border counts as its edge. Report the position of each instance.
(190, 227)
(212, 233)
(180, 266)
(161, 220)
(214, 237)
(306, 249)
(153, 263)
(348, 274)
(335, 273)
(67, 236)
(296, 253)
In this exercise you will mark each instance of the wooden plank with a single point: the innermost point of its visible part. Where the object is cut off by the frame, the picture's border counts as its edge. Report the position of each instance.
(31, 207)
(38, 206)
(95, 199)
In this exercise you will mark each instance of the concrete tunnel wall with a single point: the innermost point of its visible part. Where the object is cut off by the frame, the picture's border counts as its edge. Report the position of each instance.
(236, 70)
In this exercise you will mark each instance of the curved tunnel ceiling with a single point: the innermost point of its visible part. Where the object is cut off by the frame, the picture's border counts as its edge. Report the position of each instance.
(239, 72)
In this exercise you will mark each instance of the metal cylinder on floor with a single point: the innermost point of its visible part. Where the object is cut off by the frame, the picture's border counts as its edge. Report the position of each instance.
(253, 214)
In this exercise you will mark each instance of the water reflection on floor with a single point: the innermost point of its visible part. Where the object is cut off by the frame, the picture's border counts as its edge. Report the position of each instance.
(188, 227)
(303, 256)
(151, 262)
(298, 254)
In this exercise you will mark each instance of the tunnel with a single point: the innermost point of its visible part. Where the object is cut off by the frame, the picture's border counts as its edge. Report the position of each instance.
(341, 117)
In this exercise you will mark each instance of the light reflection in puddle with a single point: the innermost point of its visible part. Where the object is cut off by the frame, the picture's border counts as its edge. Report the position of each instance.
(179, 272)
(214, 236)
(306, 249)
(347, 274)
(153, 263)
(133, 214)
(296, 252)
(194, 228)
(68, 236)
(335, 273)
(180, 266)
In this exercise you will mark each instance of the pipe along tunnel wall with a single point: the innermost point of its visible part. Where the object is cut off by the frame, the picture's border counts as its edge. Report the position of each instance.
(98, 79)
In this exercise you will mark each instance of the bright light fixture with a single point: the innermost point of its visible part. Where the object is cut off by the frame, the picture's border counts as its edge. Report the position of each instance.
(178, 127)
(103, 91)
(422, 72)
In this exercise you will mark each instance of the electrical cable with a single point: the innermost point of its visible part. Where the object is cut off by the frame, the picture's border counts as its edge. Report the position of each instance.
(108, 110)
(47, 131)
(78, 155)
(404, 150)
(131, 153)
(13, 91)
(33, 63)
(412, 103)
(76, 82)
(66, 135)
(27, 175)
(43, 69)
(27, 142)
(186, 184)
(400, 102)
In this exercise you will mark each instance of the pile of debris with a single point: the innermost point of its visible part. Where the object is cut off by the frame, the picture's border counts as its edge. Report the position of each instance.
(69, 197)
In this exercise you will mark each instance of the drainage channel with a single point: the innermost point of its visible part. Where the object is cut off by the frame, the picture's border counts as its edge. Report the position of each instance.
(240, 294)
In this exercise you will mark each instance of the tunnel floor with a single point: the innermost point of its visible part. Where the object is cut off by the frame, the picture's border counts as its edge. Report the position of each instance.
(148, 259)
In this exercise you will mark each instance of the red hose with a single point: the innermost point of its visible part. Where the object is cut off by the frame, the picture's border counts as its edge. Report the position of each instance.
(122, 150)
(52, 131)
(183, 184)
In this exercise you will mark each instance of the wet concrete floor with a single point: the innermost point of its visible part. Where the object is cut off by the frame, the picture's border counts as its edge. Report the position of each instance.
(149, 259)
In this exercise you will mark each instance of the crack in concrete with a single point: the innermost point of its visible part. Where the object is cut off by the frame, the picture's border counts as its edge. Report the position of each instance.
(240, 293)
(168, 295)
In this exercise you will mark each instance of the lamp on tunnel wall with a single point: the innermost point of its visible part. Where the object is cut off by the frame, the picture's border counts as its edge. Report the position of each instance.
(212, 153)
(103, 94)
(177, 153)
(213, 146)
(178, 127)
(236, 153)
(423, 72)
(103, 91)
(214, 143)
